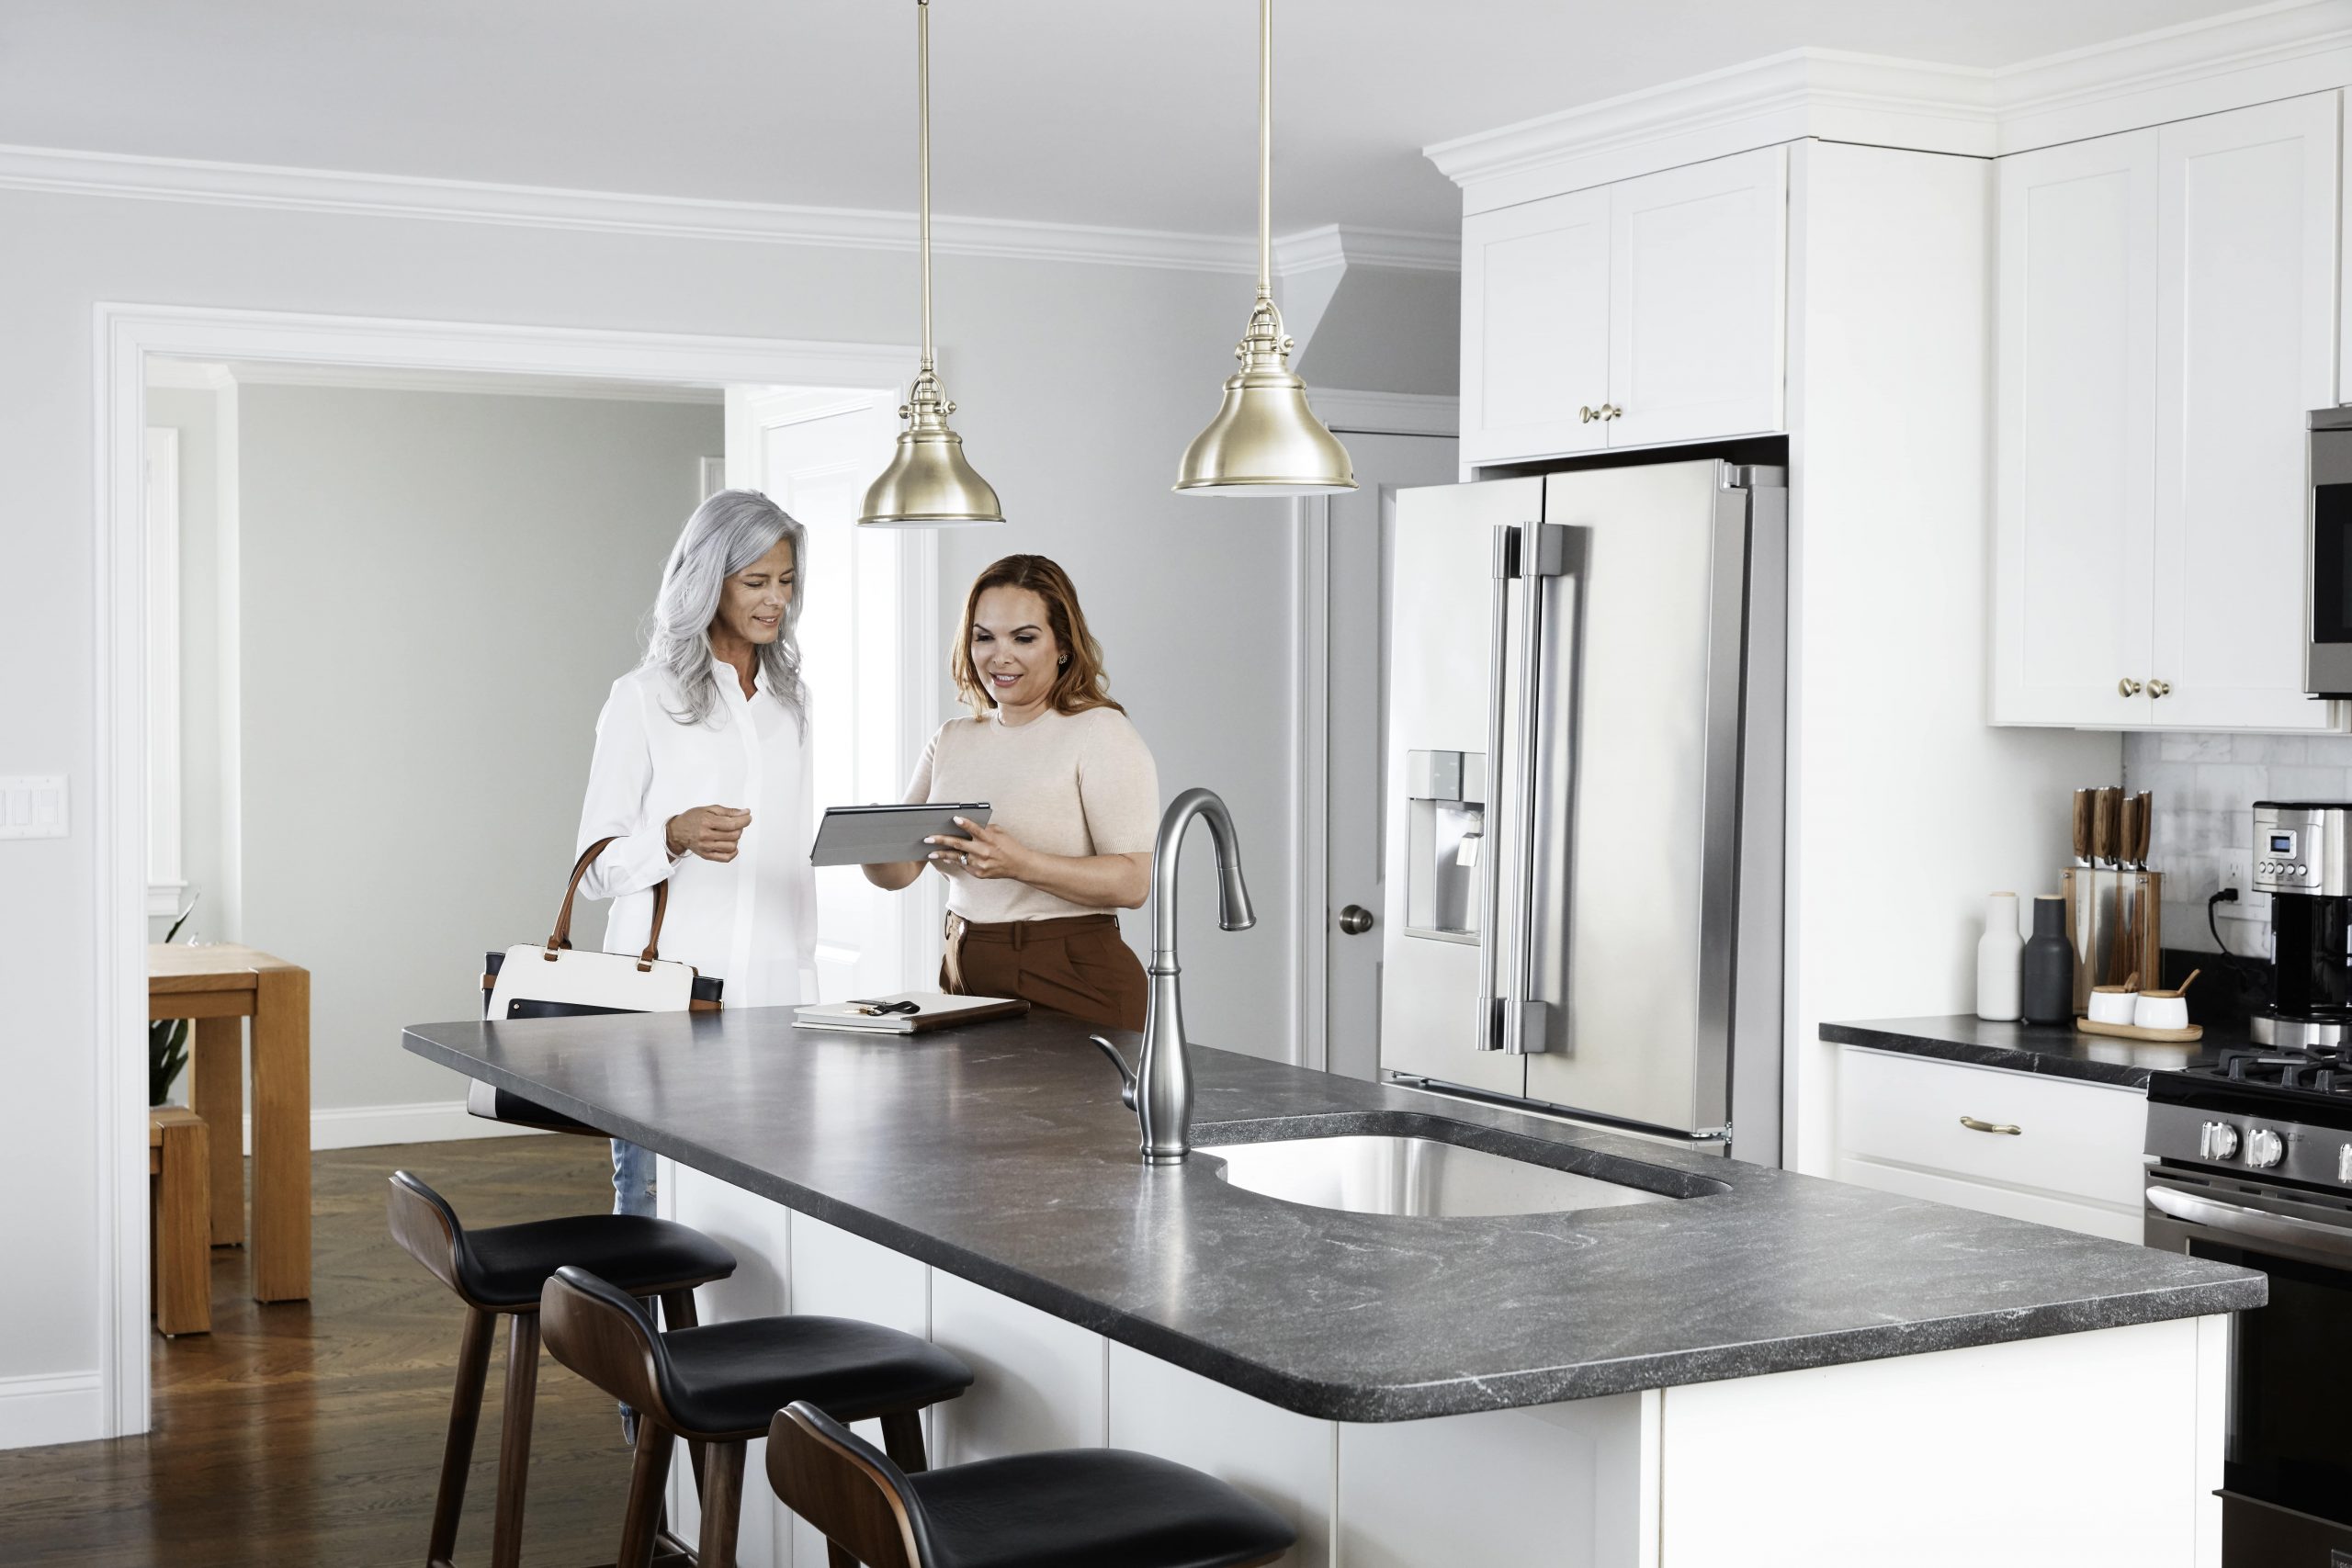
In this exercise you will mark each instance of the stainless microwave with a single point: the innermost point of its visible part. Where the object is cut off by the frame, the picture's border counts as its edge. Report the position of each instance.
(2328, 556)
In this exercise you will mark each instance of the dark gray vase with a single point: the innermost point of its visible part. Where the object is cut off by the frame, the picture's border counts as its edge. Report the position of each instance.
(2046, 990)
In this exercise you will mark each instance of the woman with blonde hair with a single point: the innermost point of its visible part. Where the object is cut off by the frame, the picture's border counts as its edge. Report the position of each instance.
(1074, 800)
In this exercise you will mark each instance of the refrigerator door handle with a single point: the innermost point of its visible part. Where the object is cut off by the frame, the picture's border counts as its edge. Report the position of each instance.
(1490, 884)
(1543, 552)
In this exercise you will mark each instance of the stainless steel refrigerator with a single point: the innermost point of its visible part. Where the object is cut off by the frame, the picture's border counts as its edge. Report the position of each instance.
(1585, 775)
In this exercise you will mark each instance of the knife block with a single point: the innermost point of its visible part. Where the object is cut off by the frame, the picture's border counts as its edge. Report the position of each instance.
(2115, 919)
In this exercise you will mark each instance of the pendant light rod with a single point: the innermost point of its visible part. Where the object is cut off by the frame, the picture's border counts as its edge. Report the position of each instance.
(1265, 149)
(929, 483)
(922, 99)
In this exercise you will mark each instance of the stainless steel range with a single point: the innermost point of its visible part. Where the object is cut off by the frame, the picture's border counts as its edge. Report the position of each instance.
(2253, 1166)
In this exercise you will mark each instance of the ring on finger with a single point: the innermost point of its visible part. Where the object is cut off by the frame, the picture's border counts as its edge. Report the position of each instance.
(965, 859)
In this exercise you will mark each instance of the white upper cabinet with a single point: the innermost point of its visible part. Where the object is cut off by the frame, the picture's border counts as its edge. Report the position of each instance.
(2076, 433)
(1697, 300)
(1637, 314)
(2167, 317)
(1535, 327)
(2246, 348)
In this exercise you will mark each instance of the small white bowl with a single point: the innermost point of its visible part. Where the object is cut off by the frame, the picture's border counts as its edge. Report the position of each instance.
(2113, 1004)
(2157, 1010)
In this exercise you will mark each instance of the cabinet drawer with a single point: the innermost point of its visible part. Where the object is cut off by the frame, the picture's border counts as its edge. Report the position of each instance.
(2077, 1139)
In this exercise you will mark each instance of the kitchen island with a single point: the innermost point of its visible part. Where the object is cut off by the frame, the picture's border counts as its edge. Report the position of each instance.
(1755, 1363)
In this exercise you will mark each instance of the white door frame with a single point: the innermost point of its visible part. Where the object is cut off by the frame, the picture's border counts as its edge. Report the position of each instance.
(1346, 412)
(125, 337)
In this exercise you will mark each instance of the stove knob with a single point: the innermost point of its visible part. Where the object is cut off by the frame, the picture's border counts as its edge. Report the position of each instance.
(2263, 1148)
(2217, 1139)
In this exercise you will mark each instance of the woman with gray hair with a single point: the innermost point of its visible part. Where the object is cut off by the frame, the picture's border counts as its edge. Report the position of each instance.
(702, 775)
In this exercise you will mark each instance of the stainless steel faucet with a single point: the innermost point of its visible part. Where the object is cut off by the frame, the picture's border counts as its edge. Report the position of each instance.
(1160, 1088)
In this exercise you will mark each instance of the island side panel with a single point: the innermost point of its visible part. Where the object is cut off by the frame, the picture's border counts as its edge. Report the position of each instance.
(1041, 1380)
(1570, 1485)
(1286, 1460)
(2090, 1451)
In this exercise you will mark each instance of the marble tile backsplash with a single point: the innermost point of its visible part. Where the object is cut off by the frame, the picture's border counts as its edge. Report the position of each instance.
(2205, 787)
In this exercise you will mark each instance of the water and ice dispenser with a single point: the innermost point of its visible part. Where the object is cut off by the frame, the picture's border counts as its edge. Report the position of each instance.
(1445, 807)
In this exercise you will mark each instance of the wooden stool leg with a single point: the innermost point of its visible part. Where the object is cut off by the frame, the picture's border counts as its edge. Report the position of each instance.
(216, 1092)
(902, 1440)
(646, 1478)
(514, 1439)
(722, 1506)
(837, 1556)
(678, 1310)
(458, 1452)
(184, 1232)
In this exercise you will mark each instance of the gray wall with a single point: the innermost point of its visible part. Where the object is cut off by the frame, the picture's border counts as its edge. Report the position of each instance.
(436, 588)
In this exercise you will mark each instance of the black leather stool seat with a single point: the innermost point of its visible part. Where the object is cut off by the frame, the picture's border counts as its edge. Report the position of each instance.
(728, 1380)
(1087, 1507)
(508, 1265)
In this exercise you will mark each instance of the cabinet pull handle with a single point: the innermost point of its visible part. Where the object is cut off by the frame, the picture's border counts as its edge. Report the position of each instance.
(1973, 1125)
(2160, 688)
(2127, 687)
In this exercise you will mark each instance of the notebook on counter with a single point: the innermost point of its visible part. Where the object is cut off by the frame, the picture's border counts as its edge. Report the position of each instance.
(887, 1015)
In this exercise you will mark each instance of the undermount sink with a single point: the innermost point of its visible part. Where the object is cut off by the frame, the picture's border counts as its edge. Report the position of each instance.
(1411, 1174)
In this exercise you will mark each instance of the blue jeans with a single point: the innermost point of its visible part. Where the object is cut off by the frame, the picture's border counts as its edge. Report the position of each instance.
(632, 1178)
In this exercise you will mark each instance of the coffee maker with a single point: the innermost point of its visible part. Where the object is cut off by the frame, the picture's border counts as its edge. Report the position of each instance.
(2302, 857)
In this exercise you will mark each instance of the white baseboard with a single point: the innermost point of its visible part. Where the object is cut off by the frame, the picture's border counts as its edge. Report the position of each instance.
(428, 1121)
(63, 1407)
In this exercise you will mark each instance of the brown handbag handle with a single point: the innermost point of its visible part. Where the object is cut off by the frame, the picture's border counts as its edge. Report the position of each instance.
(561, 938)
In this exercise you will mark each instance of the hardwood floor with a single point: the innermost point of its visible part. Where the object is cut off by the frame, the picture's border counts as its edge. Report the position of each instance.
(310, 1433)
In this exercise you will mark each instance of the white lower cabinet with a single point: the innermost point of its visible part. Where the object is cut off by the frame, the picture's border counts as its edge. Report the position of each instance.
(1939, 1130)
(1284, 1460)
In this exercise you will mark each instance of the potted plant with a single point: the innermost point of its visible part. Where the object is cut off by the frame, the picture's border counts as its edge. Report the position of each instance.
(167, 1038)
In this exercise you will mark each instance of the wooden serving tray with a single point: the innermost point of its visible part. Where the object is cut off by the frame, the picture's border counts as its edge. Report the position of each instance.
(2133, 1031)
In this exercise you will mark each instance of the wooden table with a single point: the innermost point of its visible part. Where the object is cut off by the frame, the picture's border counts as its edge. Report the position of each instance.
(217, 986)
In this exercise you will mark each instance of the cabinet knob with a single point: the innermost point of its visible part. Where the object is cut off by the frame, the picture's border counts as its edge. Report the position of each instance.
(2159, 688)
(1611, 411)
(2127, 687)
(1587, 415)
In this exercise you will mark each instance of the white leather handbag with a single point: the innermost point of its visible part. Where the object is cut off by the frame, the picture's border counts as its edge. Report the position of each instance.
(554, 979)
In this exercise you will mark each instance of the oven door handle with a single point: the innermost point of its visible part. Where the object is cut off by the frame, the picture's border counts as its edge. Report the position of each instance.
(2254, 1225)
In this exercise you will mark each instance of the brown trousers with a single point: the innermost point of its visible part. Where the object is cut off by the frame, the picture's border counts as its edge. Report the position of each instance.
(1078, 965)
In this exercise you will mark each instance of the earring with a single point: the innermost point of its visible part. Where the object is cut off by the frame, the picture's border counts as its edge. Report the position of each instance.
(1063, 660)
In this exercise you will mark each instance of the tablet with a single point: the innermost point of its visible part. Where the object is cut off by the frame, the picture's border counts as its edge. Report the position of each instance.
(870, 835)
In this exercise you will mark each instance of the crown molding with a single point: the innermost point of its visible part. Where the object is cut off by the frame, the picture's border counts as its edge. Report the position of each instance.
(1389, 413)
(392, 379)
(2270, 52)
(540, 207)
(1339, 245)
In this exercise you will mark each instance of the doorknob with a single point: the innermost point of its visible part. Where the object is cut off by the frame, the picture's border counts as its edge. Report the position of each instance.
(1355, 919)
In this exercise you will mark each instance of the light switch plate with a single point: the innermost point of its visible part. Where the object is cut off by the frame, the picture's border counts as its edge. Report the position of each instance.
(32, 806)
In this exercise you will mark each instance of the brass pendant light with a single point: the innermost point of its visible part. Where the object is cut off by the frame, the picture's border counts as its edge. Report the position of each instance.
(1265, 440)
(928, 484)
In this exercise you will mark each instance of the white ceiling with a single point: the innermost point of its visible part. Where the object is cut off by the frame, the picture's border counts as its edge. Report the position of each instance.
(1084, 111)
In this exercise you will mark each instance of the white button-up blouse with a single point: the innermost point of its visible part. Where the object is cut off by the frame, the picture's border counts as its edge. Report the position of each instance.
(750, 920)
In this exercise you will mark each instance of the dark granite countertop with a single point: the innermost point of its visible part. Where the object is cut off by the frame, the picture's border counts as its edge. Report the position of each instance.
(1000, 1153)
(2055, 1049)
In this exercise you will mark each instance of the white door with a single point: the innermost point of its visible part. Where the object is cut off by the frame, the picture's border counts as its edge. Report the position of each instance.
(1696, 300)
(1535, 328)
(1358, 533)
(2076, 442)
(869, 639)
(2245, 347)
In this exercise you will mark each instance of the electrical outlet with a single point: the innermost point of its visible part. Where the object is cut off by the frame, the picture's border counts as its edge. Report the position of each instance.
(2237, 870)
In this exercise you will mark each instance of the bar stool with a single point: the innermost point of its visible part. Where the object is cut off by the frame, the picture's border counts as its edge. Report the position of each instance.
(718, 1388)
(1076, 1509)
(499, 1271)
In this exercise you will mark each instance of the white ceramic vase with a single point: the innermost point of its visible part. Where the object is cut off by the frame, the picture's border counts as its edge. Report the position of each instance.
(2000, 956)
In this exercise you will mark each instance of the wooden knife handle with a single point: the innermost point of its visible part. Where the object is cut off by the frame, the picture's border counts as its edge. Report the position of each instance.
(2127, 837)
(2083, 826)
(2103, 812)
